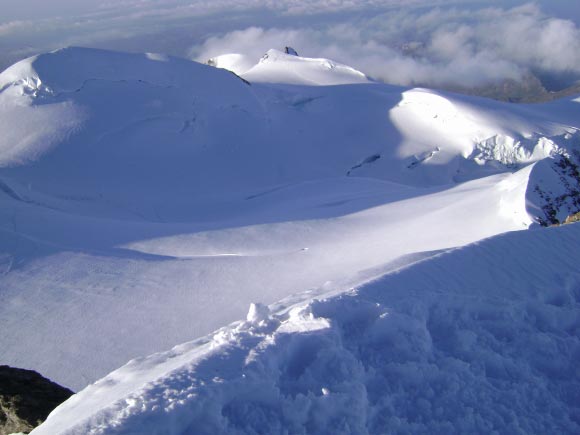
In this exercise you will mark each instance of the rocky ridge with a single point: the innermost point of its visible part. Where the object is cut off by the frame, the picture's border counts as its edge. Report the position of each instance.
(26, 399)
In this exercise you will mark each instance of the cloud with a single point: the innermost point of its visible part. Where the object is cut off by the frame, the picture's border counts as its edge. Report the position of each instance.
(441, 46)
(254, 42)
(406, 42)
(14, 26)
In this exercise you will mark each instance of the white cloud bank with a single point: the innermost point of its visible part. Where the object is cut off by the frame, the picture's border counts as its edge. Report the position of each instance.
(439, 46)
(406, 42)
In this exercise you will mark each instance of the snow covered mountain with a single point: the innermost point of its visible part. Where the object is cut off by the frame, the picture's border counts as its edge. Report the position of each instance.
(146, 201)
(278, 67)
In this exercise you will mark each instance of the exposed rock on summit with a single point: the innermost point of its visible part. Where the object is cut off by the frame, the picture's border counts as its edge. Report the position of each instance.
(290, 50)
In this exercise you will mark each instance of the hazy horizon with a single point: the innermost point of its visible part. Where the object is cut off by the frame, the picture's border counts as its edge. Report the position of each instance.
(442, 42)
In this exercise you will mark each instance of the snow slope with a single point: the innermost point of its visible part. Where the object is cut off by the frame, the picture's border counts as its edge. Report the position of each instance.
(481, 339)
(278, 67)
(234, 62)
(147, 200)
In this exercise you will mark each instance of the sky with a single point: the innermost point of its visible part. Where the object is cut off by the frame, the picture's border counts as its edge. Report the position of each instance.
(437, 42)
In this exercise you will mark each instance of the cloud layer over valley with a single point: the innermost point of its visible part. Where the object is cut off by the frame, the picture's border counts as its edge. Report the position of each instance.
(421, 42)
(437, 46)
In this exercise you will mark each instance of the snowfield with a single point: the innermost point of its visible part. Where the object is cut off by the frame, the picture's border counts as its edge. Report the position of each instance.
(146, 201)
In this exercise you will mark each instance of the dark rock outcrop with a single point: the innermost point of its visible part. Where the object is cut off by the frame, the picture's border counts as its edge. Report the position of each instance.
(290, 50)
(561, 198)
(26, 399)
(572, 219)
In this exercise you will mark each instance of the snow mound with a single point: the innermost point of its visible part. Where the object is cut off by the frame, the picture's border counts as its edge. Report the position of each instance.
(278, 67)
(63, 94)
(68, 69)
(490, 348)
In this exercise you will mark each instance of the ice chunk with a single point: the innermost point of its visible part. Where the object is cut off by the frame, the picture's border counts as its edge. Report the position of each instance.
(258, 313)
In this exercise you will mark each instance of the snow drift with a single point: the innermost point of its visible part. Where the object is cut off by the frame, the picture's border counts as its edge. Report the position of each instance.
(482, 339)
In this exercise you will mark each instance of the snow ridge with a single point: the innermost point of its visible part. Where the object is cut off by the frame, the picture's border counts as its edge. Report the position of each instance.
(416, 351)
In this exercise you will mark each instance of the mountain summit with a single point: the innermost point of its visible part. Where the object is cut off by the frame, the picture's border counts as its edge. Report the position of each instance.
(289, 68)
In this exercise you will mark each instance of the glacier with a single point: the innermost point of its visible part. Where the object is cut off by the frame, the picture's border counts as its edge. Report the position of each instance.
(148, 201)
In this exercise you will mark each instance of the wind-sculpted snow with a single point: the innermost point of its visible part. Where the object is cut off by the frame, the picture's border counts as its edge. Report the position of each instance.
(482, 339)
(147, 200)
(115, 289)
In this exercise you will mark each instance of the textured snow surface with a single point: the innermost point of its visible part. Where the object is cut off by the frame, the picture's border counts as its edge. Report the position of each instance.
(147, 200)
(481, 339)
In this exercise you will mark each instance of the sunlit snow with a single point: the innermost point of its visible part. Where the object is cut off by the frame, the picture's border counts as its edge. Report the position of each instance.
(147, 201)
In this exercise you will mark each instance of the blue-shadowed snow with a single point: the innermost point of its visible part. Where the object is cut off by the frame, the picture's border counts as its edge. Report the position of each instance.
(480, 339)
(147, 200)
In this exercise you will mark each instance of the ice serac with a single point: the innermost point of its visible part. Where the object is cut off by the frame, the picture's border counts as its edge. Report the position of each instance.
(166, 196)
